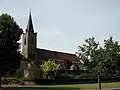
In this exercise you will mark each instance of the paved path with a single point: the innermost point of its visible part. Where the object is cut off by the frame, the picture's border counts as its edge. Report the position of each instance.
(14, 85)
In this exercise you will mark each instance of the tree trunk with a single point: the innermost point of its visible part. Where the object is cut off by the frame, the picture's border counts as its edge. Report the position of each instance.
(0, 81)
(99, 82)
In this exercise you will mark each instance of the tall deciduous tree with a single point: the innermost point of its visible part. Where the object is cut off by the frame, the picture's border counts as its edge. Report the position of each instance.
(112, 57)
(10, 34)
(90, 53)
(101, 60)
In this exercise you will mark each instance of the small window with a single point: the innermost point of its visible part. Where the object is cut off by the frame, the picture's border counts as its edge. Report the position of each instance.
(25, 41)
(32, 40)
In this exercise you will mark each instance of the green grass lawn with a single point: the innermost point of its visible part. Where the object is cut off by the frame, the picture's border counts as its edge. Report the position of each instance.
(63, 87)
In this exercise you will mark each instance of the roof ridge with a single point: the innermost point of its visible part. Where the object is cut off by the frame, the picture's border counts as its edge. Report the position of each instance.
(56, 51)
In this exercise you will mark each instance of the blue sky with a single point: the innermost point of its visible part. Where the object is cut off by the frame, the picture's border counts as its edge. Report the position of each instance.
(62, 25)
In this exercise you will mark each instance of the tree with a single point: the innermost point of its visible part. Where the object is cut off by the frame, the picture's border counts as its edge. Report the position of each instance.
(102, 61)
(49, 68)
(112, 57)
(10, 34)
(90, 54)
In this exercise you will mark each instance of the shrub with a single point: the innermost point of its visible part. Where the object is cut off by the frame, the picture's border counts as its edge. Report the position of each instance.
(12, 81)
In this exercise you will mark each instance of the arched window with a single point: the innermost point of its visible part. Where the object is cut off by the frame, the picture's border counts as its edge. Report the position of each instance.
(25, 41)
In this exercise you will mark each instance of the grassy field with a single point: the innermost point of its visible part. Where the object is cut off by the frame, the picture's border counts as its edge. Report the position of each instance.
(62, 87)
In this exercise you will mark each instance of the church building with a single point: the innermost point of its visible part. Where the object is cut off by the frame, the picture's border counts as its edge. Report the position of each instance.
(64, 60)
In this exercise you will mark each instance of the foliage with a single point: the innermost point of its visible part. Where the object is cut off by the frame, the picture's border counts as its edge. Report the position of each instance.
(49, 68)
(88, 52)
(10, 34)
(12, 81)
(111, 56)
(104, 60)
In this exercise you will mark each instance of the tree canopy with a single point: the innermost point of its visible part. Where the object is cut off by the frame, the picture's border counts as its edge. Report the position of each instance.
(103, 59)
(10, 34)
(49, 68)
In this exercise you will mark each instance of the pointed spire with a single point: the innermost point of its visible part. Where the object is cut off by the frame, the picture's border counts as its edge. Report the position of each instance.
(30, 24)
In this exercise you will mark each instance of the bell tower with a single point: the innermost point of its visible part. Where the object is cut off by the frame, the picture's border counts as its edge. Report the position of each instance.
(29, 40)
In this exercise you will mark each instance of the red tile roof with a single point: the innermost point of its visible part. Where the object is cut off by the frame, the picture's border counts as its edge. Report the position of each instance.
(44, 54)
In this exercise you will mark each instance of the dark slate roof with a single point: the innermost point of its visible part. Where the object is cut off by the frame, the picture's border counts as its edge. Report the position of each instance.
(30, 24)
(44, 54)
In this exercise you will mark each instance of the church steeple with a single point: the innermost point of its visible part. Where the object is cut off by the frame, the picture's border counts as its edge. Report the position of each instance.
(29, 40)
(30, 24)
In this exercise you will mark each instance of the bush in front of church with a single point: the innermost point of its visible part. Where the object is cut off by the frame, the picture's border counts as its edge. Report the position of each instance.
(49, 68)
(19, 81)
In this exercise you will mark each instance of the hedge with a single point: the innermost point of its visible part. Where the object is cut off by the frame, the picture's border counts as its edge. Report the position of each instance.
(69, 80)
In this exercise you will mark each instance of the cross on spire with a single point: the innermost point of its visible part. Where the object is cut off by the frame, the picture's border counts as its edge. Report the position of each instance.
(30, 11)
